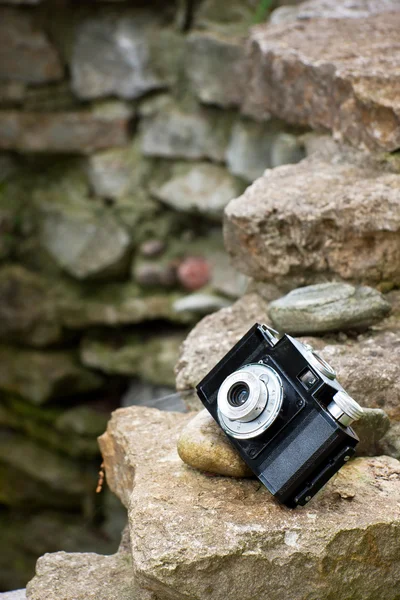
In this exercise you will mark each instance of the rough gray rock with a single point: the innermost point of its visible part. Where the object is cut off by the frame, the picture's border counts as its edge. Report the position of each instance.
(371, 428)
(331, 73)
(225, 279)
(27, 310)
(64, 132)
(200, 303)
(115, 304)
(216, 68)
(83, 244)
(390, 443)
(124, 54)
(39, 376)
(227, 537)
(188, 134)
(254, 147)
(25, 52)
(368, 368)
(86, 576)
(328, 307)
(203, 445)
(32, 475)
(85, 237)
(318, 219)
(287, 148)
(201, 189)
(151, 359)
(235, 16)
(118, 172)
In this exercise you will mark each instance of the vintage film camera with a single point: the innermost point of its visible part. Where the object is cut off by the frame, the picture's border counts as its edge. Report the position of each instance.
(283, 409)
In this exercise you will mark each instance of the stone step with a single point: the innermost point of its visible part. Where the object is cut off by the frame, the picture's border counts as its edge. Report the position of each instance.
(198, 537)
(337, 73)
(331, 216)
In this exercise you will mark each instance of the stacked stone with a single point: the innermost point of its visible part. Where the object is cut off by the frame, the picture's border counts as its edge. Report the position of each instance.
(330, 224)
(121, 142)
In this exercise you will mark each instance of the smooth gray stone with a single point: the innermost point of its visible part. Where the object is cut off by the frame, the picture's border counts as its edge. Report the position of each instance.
(328, 307)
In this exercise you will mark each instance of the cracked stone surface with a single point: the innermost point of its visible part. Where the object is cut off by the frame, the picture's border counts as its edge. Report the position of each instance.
(327, 217)
(334, 73)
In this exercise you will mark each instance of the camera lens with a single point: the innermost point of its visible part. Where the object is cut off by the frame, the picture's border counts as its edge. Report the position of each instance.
(238, 394)
(249, 400)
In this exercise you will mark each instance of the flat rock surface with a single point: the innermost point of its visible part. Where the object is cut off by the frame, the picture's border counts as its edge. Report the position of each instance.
(65, 132)
(368, 367)
(320, 218)
(85, 576)
(203, 189)
(328, 307)
(335, 73)
(196, 537)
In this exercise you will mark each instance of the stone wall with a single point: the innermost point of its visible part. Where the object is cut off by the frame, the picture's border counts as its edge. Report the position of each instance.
(121, 141)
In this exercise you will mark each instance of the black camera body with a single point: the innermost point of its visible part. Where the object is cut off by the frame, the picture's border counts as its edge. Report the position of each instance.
(283, 409)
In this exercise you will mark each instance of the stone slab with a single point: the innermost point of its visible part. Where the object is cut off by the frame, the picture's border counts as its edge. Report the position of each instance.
(197, 537)
(339, 74)
(324, 218)
(64, 132)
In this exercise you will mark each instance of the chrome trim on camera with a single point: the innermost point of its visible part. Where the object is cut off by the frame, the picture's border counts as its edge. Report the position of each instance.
(345, 409)
(271, 334)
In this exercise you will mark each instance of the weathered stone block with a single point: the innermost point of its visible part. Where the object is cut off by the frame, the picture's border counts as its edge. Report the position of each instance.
(67, 575)
(39, 376)
(34, 476)
(335, 539)
(114, 304)
(216, 68)
(151, 359)
(200, 189)
(254, 147)
(27, 311)
(126, 54)
(334, 73)
(26, 54)
(211, 339)
(328, 307)
(65, 132)
(176, 133)
(315, 220)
